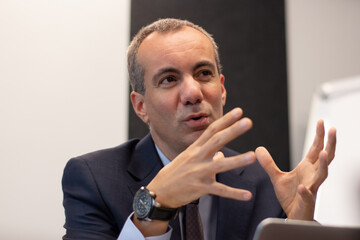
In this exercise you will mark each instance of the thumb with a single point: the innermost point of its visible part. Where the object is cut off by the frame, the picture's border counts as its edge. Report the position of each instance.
(267, 163)
(218, 156)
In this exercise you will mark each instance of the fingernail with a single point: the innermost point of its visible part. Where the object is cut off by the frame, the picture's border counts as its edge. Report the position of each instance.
(249, 157)
(247, 196)
(244, 123)
(236, 112)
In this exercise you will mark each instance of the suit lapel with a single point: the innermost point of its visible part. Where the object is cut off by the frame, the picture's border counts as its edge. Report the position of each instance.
(144, 165)
(234, 216)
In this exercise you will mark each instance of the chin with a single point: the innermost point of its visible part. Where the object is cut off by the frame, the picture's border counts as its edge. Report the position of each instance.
(195, 135)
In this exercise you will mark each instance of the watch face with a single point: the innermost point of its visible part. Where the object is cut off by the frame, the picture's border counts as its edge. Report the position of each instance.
(142, 203)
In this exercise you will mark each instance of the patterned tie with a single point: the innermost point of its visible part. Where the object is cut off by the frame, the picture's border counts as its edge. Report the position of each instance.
(193, 229)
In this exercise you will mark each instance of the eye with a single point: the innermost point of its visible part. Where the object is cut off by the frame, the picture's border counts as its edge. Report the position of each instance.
(205, 74)
(168, 81)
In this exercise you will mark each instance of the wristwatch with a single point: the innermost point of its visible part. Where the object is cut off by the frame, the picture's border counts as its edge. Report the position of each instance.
(147, 209)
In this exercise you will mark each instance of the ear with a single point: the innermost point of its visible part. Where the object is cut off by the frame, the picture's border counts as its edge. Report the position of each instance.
(139, 106)
(223, 90)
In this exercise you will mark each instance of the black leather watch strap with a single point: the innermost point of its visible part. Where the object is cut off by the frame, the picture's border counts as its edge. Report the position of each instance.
(164, 214)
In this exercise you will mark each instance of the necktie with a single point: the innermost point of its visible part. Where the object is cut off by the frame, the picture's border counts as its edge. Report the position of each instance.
(193, 229)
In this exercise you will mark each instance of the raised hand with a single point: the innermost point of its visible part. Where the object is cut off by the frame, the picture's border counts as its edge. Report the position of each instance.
(192, 174)
(296, 190)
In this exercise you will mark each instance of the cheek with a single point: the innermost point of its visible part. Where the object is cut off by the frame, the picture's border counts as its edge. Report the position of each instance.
(214, 97)
(164, 106)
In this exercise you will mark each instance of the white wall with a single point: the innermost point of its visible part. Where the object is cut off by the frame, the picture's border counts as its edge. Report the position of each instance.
(63, 92)
(323, 40)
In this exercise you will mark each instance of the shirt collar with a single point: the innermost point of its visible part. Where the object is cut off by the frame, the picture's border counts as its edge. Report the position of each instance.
(163, 158)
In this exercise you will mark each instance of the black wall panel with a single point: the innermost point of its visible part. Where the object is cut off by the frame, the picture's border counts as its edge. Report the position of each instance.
(251, 39)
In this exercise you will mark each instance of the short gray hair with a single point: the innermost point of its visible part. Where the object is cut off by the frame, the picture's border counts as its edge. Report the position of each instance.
(136, 71)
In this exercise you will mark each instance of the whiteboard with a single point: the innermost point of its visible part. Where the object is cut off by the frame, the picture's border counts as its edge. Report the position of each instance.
(338, 104)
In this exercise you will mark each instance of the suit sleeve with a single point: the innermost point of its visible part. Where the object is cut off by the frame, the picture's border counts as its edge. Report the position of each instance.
(87, 216)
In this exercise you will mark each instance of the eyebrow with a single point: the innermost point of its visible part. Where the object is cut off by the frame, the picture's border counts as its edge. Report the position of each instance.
(204, 64)
(163, 71)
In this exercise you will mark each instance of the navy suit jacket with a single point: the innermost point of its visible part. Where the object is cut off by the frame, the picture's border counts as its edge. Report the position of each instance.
(99, 188)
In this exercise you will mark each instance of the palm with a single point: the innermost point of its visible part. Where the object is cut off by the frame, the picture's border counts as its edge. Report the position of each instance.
(296, 190)
(286, 187)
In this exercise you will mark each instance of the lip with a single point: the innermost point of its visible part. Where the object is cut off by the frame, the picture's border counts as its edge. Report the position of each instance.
(197, 121)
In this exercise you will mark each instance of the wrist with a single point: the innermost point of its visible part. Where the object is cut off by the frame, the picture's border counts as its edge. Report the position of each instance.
(151, 228)
(146, 208)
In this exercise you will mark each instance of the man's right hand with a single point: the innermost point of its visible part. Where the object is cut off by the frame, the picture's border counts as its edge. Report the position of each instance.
(192, 174)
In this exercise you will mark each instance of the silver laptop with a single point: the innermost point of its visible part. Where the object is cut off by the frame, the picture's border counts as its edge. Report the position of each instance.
(280, 229)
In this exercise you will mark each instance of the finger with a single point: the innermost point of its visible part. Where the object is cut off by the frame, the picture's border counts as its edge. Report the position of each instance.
(222, 190)
(331, 145)
(221, 138)
(268, 163)
(322, 172)
(318, 142)
(306, 194)
(220, 124)
(306, 205)
(222, 164)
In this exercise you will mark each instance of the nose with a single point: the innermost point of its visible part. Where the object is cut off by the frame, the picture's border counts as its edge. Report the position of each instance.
(191, 92)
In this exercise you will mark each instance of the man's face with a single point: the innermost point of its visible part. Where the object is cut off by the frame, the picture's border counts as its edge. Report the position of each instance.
(184, 91)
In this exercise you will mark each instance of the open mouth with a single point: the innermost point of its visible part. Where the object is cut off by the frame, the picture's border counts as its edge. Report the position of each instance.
(199, 121)
(196, 118)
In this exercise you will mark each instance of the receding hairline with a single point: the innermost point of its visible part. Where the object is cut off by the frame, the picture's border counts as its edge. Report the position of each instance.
(172, 31)
(161, 26)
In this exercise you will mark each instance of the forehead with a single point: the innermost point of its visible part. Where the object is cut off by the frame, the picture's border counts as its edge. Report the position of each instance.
(170, 47)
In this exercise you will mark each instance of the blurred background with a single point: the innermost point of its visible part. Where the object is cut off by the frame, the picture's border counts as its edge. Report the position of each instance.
(64, 90)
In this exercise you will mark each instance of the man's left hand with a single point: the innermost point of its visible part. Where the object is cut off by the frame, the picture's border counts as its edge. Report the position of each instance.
(296, 190)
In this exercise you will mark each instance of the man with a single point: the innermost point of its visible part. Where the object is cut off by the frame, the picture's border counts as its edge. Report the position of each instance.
(178, 90)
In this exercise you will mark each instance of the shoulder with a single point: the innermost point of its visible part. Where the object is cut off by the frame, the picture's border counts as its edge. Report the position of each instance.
(102, 161)
(124, 149)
